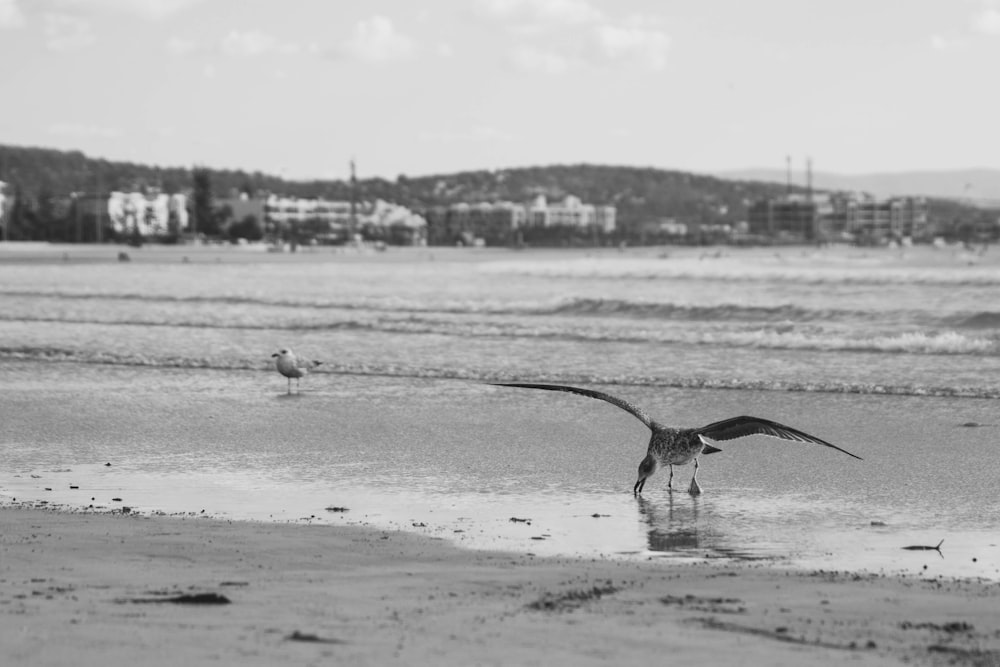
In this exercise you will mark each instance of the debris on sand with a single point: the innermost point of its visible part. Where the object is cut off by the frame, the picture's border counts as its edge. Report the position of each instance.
(918, 547)
(185, 598)
(310, 637)
(571, 599)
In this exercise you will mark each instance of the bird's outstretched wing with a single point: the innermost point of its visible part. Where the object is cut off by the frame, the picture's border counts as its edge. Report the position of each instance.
(737, 427)
(638, 412)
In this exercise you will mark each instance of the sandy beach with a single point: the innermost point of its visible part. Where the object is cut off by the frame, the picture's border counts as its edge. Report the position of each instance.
(115, 589)
(122, 390)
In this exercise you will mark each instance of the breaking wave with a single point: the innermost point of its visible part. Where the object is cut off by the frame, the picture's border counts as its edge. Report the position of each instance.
(987, 319)
(786, 335)
(54, 354)
(721, 312)
(776, 269)
(314, 309)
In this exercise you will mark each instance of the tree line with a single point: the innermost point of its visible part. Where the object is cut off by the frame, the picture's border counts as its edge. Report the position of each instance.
(41, 179)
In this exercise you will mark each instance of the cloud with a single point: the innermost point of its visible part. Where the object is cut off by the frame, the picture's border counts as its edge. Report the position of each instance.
(83, 130)
(988, 21)
(531, 59)
(555, 36)
(10, 14)
(555, 11)
(939, 43)
(147, 9)
(631, 44)
(627, 45)
(475, 134)
(479, 134)
(237, 44)
(252, 43)
(178, 46)
(376, 40)
(67, 33)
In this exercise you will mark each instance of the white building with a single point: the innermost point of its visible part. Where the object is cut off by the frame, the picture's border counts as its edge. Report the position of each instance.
(570, 212)
(150, 214)
(3, 211)
(299, 209)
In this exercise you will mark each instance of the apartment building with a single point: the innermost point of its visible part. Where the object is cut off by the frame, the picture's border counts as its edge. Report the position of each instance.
(4, 206)
(151, 213)
(494, 222)
(896, 218)
(280, 209)
(570, 212)
(824, 217)
(498, 223)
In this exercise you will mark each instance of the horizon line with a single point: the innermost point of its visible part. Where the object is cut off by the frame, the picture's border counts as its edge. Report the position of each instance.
(727, 172)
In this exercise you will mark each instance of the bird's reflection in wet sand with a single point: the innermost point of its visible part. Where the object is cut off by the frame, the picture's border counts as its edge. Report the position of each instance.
(674, 528)
(670, 528)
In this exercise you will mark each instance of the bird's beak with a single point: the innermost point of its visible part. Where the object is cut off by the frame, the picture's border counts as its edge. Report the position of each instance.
(275, 354)
(637, 489)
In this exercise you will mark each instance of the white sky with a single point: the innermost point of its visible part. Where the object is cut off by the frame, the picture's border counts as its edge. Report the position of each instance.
(416, 87)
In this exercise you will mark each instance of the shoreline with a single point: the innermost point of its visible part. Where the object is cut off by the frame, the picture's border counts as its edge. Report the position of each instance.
(102, 582)
(234, 445)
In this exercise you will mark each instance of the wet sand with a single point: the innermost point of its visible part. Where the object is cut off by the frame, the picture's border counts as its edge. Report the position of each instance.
(116, 589)
(86, 588)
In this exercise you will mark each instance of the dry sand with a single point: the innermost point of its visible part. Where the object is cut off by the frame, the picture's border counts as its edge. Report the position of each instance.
(112, 589)
(88, 589)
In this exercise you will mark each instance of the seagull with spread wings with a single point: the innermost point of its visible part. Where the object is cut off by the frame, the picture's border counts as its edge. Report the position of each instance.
(671, 446)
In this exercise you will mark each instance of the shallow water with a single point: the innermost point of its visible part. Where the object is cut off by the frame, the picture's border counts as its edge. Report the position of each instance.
(458, 460)
(163, 370)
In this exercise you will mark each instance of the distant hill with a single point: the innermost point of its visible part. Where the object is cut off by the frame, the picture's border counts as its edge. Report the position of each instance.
(964, 184)
(640, 194)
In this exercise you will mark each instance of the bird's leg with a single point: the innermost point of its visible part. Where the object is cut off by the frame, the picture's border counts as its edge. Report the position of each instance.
(289, 385)
(694, 489)
(670, 482)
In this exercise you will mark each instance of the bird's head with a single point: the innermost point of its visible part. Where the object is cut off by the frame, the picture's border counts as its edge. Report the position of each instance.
(284, 352)
(646, 469)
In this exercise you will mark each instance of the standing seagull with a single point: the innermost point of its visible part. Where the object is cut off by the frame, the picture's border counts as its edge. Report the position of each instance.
(679, 446)
(290, 366)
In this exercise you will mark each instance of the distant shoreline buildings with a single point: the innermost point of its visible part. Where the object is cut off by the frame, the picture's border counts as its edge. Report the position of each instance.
(487, 223)
(148, 214)
(151, 214)
(839, 217)
(506, 222)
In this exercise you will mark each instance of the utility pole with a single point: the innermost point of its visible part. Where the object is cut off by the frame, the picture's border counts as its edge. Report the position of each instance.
(194, 206)
(809, 199)
(98, 227)
(79, 226)
(3, 197)
(354, 203)
(788, 176)
(809, 178)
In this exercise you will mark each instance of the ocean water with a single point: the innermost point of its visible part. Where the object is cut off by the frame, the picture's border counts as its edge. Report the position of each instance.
(162, 365)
